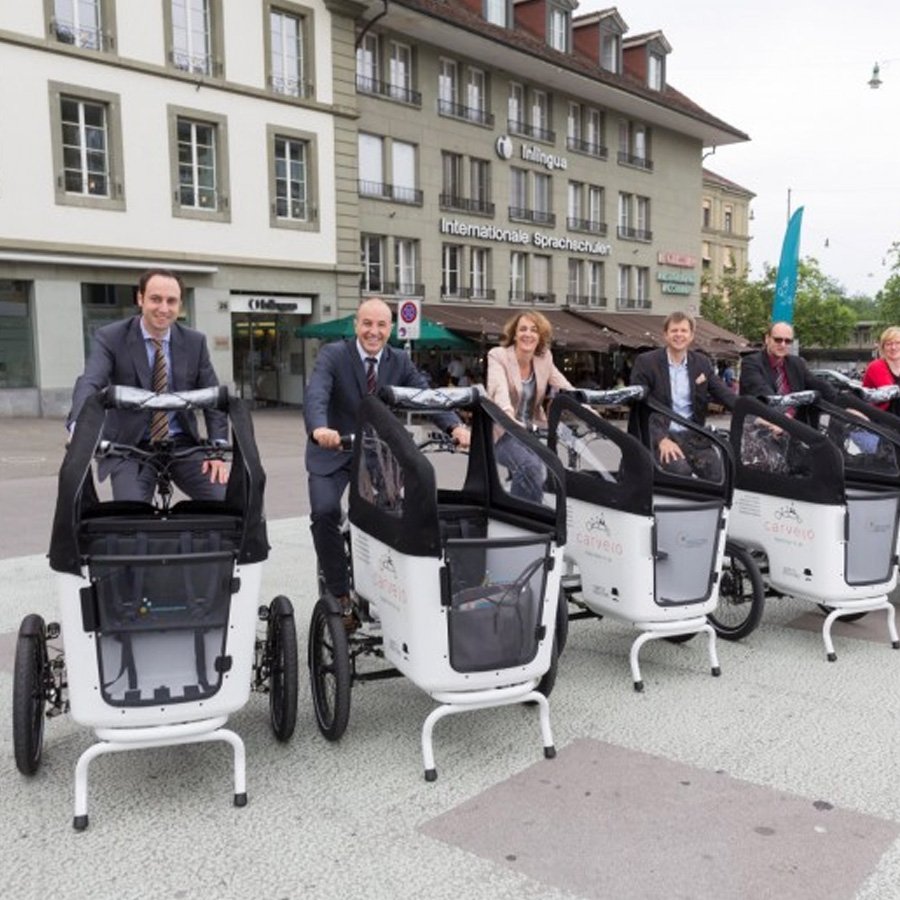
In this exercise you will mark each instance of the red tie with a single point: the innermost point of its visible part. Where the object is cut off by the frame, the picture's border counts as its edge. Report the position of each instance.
(371, 377)
(782, 386)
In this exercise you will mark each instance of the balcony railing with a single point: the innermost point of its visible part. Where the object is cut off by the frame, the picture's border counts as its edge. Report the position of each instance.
(381, 191)
(481, 295)
(598, 151)
(291, 87)
(639, 162)
(467, 113)
(85, 37)
(627, 233)
(532, 131)
(532, 298)
(589, 225)
(633, 303)
(379, 88)
(538, 216)
(404, 289)
(465, 204)
(586, 300)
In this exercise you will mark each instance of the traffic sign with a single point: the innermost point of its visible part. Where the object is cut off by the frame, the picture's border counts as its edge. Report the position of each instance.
(409, 320)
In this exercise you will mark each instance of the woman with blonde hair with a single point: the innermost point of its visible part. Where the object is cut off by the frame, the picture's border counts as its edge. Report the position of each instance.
(520, 372)
(885, 370)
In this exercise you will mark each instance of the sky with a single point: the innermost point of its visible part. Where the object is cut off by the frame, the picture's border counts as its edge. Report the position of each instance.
(792, 74)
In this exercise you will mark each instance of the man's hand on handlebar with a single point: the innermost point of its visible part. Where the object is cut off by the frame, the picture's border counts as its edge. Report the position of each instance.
(327, 438)
(462, 436)
(217, 469)
(669, 451)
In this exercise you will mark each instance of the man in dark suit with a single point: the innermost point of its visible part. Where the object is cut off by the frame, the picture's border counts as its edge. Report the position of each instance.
(774, 370)
(153, 351)
(344, 373)
(682, 380)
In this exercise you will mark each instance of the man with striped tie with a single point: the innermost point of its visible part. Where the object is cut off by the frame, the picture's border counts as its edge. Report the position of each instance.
(154, 351)
(344, 373)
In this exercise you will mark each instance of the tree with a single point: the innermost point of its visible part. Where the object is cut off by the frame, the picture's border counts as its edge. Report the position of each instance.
(740, 305)
(887, 302)
(822, 315)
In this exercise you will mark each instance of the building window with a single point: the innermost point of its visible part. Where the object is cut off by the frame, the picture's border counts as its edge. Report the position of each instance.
(707, 214)
(87, 147)
(634, 288)
(595, 284)
(634, 145)
(368, 66)
(516, 108)
(406, 255)
(584, 132)
(540, 280)
(575, 292)
(643, 218)
(88, 24)
(558, 31)
(480, 186)
(195, 36)
(451, 180)
(451, 270)
(728, 219)
(16, 335)
(199, 150)
(585, 208)
(497, 12)
(291, 165)
(655, 69)
(595, 202)
(288, 51)
(372, 259)
(611, 52)
(543, 199)
(518, 194)
(475, 107)
(371, 166)
(403, 167)
(573, 207)
(479, 278)
(540, 116)
(518, 264)
(400, 81)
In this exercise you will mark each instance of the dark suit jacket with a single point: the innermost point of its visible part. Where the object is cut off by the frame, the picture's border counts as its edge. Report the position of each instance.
(758, 378)
(337, 387)
(652, 370)
(119, 356)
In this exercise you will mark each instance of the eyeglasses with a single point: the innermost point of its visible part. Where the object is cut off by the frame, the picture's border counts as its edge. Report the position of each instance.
(783, 340)
(891, 344)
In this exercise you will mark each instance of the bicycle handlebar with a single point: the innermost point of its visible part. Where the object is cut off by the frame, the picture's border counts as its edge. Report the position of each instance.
(797, 398)
(611, 397)
(430, 399)
(122, 397)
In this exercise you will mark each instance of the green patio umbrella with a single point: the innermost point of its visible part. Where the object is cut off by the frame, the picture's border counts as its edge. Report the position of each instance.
(432, 334)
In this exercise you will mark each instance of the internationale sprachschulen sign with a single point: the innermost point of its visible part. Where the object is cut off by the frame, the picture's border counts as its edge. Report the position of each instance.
(539, 239)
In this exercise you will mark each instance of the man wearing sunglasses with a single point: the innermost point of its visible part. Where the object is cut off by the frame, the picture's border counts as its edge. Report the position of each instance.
(775, 370)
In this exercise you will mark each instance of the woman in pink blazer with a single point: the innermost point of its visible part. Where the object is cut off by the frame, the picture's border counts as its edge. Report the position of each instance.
(519, 374)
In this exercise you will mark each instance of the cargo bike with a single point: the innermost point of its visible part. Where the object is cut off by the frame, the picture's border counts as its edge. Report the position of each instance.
(816, 505)
(455, 587)
(645, 546)
(158, 604)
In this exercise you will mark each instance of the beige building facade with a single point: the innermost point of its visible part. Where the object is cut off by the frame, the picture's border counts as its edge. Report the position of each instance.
(725, 223)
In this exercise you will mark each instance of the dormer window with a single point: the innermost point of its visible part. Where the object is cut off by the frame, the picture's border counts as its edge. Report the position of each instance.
(611, 52)
(497, 12)
(655, 71)
(559, 30)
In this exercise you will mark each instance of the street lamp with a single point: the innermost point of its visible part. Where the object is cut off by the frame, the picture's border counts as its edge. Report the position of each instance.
(875, 81)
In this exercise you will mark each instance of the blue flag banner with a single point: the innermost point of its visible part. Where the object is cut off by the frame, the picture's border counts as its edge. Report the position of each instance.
(786, 282)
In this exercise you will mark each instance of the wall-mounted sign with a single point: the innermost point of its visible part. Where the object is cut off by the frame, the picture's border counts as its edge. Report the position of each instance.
(549, 161)
(683, 260)
(677, 277)
(504, 147)
(539, 239)
(409, 320)
(267, 304)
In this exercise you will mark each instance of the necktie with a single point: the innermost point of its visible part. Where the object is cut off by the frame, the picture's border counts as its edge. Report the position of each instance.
(159, 422)
(371, 377)
(782, 386)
